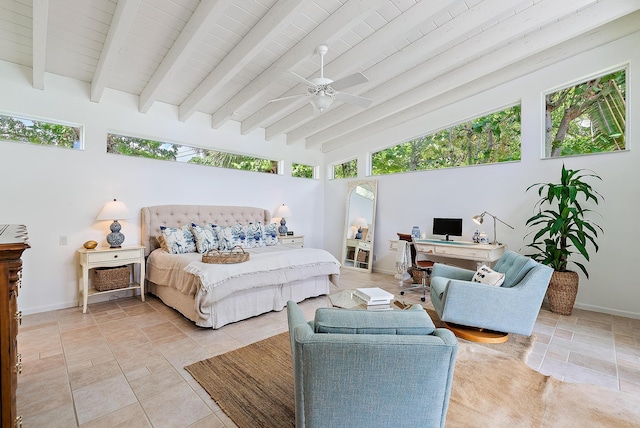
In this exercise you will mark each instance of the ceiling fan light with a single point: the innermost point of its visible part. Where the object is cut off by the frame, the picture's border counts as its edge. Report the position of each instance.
(321, 102)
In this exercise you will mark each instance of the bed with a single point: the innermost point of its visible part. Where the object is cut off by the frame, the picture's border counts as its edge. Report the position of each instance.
(213, 295)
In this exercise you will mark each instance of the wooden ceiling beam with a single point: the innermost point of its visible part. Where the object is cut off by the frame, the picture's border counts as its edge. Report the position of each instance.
(39, 37)
(326, 32)
(272, 24)
(123, 17)
(385, 76)
(414, 85)
(207, 12)
(350, 61)
(564, 38)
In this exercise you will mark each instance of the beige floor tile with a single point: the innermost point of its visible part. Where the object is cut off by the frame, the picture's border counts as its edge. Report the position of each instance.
(122, 363)
(211, 421)
(59, 417)
(131, 416)
(161, 331)
(95, 373)
(155, 383)
(43, 391)
(178, 406)
(101, 398)
(130, 337)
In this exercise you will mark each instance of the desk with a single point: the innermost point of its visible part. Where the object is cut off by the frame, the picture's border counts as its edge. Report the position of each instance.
(480, 253)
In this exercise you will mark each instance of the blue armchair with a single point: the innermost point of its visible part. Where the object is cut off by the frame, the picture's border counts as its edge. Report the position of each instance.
(510, 308)
(358, 368)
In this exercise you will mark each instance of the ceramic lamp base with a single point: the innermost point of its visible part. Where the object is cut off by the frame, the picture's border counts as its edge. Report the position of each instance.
(115, 238)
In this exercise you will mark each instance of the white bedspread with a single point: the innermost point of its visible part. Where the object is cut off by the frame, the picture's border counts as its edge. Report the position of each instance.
(263, 268)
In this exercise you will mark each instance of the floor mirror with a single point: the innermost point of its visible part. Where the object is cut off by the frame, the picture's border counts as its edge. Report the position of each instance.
(359, 226)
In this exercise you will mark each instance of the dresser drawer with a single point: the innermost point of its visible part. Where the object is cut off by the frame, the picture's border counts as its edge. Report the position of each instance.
(122, 255)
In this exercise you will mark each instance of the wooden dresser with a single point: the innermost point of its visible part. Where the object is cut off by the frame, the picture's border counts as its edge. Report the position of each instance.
(13, 241)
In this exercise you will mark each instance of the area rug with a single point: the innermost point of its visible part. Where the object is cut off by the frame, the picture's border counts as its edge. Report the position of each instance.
(254, 387)
(518, 346)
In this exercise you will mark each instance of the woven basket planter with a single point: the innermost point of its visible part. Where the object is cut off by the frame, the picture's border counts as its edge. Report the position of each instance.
(562, 292)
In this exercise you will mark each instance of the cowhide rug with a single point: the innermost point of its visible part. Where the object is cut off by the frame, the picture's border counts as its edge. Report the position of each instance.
(492, 389)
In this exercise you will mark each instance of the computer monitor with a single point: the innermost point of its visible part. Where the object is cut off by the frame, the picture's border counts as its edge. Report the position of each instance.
(447, 227)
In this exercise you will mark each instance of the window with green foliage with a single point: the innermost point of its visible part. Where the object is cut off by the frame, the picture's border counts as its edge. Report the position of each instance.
(347, 169)
(25, 130)
(132, 146)
(302, 171)
(587, 118)
(488, 139)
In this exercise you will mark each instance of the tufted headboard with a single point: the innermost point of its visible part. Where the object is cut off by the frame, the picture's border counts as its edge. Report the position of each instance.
(179, 215)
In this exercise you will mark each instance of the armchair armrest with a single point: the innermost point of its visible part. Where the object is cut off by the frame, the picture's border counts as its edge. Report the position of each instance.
(452, 272)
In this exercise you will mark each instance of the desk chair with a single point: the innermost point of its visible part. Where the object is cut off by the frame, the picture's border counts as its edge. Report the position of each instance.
(423, 266)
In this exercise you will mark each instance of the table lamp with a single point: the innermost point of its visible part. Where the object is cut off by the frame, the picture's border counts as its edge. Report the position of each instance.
(282, 212)
(114, 210)
(478, 219)
(360, 223)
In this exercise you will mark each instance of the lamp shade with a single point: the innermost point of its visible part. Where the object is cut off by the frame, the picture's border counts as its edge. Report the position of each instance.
(361, 222)
(282, 211)
(478, 219)
(321, 102)
(114, 210)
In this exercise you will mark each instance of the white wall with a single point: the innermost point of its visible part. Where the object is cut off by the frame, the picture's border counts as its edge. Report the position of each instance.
(59, 192)
(405, 200)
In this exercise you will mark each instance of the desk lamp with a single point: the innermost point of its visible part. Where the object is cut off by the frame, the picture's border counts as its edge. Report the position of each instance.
(478, 219)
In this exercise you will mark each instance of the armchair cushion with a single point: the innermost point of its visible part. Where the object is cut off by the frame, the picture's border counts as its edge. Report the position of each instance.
(514, 266)
(414, 321)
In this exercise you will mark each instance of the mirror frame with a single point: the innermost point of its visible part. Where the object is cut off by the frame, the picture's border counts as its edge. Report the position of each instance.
(351, 186)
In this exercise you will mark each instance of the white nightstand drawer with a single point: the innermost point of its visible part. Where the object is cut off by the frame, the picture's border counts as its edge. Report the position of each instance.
(292, 241)
(122, 255)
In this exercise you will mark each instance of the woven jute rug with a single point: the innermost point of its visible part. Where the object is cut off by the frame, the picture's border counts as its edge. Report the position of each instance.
(254, 387)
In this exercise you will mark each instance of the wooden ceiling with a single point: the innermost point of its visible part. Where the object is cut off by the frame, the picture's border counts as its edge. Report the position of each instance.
(228, 58)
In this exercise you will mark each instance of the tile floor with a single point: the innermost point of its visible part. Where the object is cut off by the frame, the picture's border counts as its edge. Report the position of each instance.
(121, 363)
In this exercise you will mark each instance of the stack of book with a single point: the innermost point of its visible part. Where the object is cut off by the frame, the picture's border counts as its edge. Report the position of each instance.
(374, 298)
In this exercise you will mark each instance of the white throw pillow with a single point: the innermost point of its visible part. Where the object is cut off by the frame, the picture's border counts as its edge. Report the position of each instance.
(488, 276)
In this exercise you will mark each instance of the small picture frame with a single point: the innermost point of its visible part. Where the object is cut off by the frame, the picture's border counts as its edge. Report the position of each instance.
(289, 233)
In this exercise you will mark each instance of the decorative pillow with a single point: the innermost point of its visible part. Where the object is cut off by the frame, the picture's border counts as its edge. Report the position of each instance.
(254, 235)
(206, 237)
(230, 236)
(354, 321)
(488, 276)
(178, 240)
(271, 234)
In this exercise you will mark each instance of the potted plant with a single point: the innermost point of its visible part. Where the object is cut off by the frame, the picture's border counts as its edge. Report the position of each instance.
(561, 230)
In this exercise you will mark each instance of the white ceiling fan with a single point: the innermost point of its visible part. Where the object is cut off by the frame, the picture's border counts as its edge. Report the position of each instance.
(324, 92)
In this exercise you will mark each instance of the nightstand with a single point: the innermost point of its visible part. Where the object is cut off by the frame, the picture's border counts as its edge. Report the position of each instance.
(295, 241)
(109, 257)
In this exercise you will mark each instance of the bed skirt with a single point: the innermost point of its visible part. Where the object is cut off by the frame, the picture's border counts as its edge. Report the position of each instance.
(243, 304)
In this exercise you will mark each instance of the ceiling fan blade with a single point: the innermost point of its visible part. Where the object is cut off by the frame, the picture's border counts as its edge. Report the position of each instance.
(353, 99)
(290, 97)
(347, 82)
(302, 79)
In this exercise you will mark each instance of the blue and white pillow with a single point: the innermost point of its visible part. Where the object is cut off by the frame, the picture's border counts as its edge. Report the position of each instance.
(206, 237)
(178, 240)
(271, 234)
(230, 236)
(255, 235)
